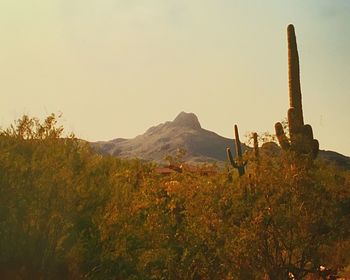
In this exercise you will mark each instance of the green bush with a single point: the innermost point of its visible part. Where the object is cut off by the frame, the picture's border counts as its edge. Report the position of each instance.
(69, 213)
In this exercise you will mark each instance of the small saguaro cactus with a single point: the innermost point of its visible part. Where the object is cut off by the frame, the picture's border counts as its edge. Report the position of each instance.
(256, 145)
(237, 163)
(301, 138)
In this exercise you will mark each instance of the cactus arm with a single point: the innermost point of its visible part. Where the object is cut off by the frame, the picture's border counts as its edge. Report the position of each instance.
(307, 130)
(230, 158)
(281, 136)
(241, 170)
(311, 144)
(315, 148)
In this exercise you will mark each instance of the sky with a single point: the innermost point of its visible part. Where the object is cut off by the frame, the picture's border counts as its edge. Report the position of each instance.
(114, 68)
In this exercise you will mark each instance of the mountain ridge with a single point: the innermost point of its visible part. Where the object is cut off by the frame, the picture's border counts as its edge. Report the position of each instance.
(185, 132)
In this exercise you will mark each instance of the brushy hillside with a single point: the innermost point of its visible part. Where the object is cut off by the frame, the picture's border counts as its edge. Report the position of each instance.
(69, 213)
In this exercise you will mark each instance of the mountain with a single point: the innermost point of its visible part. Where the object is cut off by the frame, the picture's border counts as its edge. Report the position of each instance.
(184, 132)
(335, 158)
(201, 145)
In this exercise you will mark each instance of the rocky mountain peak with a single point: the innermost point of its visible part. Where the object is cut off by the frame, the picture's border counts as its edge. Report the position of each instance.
(187, 120)
(201, 145)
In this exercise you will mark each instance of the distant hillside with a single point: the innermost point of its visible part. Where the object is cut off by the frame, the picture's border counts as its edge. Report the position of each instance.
(184, 132)
(341, 161)
(335, 158)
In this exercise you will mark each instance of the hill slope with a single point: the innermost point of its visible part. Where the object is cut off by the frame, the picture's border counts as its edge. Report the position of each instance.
(184, 132)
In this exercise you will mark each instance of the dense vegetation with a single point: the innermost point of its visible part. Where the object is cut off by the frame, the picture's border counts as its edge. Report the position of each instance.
(69, 213)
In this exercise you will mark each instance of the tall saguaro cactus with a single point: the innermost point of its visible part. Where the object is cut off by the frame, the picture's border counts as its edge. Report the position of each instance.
(237, 163)
(301, 136)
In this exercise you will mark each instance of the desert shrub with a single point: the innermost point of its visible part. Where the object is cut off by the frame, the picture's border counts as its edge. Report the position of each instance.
(69, 213)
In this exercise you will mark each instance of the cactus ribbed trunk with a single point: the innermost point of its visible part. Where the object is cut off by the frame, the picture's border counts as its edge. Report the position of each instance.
(238, 144)
(256, 145)
(301, 137)
(238, 163)
(294, 76)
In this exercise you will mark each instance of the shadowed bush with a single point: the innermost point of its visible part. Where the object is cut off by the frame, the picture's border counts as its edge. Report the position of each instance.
(68, 213)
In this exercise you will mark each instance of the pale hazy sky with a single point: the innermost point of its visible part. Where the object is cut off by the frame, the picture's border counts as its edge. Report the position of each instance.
(116, 67)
